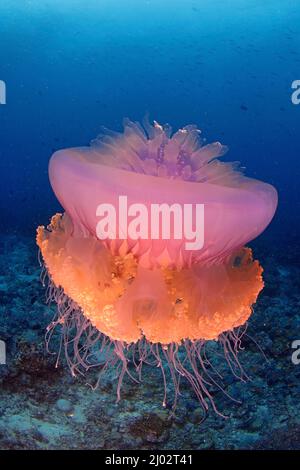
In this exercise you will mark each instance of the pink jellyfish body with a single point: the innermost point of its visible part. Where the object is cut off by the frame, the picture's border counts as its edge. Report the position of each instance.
(124, 271)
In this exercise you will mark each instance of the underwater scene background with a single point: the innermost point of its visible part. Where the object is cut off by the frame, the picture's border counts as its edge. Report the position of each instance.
(72, 66)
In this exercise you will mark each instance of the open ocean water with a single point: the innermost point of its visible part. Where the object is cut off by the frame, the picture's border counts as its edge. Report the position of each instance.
(68, 67)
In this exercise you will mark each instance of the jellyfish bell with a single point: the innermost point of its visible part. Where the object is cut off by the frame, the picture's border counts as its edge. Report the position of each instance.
(234, 214)
(159, 296)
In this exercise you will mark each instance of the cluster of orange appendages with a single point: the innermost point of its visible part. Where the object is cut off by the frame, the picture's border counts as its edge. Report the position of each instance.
(125, 301)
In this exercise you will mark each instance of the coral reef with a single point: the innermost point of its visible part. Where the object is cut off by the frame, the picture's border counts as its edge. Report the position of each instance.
(42, 407)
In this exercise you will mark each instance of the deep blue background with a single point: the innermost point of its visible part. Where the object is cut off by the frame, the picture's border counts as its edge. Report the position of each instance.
(72, 66)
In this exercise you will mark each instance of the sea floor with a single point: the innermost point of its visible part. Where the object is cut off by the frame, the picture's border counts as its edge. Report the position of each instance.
(43, 407)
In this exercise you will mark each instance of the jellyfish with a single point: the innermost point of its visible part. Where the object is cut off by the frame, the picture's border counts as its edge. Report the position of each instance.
(128, 300)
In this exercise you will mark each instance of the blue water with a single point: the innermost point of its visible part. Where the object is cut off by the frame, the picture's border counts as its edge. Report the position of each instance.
(225, 65)
(72, 66)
